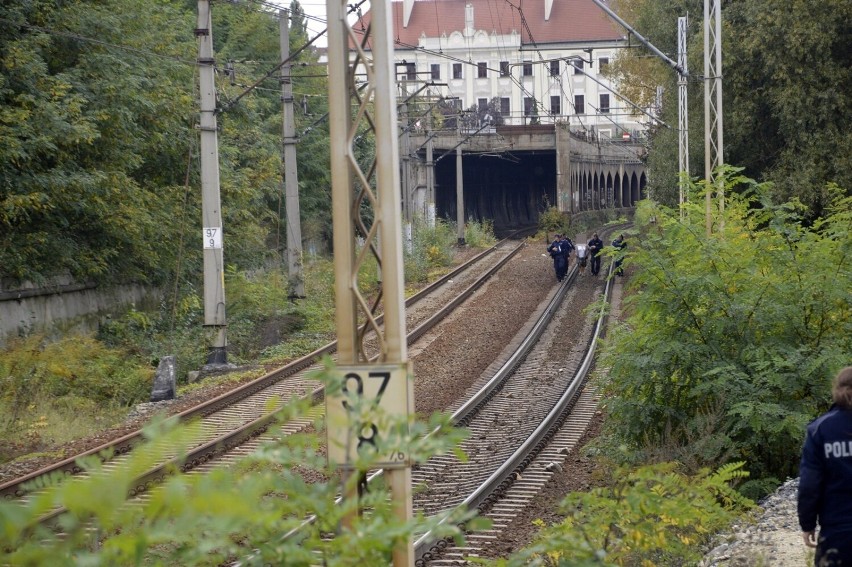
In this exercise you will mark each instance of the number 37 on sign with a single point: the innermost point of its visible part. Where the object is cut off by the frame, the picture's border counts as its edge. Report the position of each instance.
(371, 409)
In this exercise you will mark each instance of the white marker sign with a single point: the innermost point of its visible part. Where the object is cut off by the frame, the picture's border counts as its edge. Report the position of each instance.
(212, 237)
(380, 391)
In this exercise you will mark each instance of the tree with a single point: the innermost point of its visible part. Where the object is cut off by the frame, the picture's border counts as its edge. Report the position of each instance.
(86, 122)
(733, 340)
(786, 71)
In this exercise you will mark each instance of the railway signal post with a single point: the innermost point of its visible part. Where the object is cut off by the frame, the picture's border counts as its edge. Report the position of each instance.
(352, 110)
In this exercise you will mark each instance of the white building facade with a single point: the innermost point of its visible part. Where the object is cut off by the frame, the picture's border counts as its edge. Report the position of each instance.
(535, 63)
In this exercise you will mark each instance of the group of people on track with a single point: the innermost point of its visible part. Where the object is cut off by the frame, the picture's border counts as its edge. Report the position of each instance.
(561, 247)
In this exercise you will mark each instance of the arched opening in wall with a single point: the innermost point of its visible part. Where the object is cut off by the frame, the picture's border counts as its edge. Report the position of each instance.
(511, 190)
(643, 181)
(634, 189)
(609, 189)
(624, 191)
(596, 194)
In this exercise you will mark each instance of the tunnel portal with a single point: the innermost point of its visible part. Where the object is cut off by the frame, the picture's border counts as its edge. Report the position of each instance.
(509, 189)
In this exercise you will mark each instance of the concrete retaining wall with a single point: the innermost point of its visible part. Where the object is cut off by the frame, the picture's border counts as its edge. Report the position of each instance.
(64, 306)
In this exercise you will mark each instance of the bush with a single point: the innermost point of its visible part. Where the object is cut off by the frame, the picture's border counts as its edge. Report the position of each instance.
(431, 250)
(552, 221)
(479, 234)
(732, 338)
(650, 515)
(236, 513)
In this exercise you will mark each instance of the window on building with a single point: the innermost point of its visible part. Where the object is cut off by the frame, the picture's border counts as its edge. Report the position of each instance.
(579, 104)
(528, 105)
(504, 106)
(578, 66)
(603, 62)
(527, 68)
(482, 104)
(410, 71)
(504, 68)
(604, 107)
(556, 105)
(482, 70)
(457, 70)
(554, 68)
(436, 71)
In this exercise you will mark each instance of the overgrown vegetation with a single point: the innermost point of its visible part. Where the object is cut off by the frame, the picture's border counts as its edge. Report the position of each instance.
(57, 392)
(732, 339)
(650, 515)
(230, 514)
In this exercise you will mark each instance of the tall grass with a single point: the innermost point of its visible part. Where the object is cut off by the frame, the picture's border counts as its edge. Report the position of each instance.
(55, 392)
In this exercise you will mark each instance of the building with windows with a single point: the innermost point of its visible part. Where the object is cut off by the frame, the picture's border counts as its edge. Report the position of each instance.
(536, 62)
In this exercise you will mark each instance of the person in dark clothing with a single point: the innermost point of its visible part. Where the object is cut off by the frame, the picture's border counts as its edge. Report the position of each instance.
(566, 246)
(560, 265)
(619, 245)
(595, 246)
(825, 479)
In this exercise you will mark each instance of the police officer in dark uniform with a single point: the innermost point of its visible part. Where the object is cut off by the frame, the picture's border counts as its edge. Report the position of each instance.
(595, 246)
(560, 265)
(619, 245)
(825, 479)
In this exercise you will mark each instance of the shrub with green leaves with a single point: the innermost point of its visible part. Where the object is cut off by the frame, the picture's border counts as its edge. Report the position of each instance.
(237, 513)
(553, 221)
(651, 515)
(479, 234)
(431, 249)
(732, 339)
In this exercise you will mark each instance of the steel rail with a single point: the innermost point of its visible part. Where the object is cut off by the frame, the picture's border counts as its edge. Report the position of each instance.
(427, 545)
(16, 488)
(222, 444)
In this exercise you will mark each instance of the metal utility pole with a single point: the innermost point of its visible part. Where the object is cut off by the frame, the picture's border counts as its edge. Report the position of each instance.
(291, 175)
(349, 110)
(430, 174)
(459, 185)
(406, 174)
(682, 113)
(214, 263)
(713, 133)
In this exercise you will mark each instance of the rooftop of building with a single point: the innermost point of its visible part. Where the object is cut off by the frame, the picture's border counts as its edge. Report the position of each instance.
(570, 21)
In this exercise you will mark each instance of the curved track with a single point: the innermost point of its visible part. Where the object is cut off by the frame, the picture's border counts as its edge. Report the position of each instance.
(233, 418)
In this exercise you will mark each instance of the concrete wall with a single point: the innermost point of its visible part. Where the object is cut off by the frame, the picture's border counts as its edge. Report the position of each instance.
(64, 306)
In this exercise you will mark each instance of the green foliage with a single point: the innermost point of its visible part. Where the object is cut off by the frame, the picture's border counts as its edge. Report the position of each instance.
(236, 513)
(732, 339)
(54, 392)
(431, 249)
(553, 221)
(787, 116)
(99, 174)
(652, 515)
(79, 366)
(479, 234)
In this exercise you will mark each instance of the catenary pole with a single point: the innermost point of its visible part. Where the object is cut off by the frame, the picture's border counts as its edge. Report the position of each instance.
(291, 175)
(713, 132)
(459, 184)
(214, 272)
(430, 174)
(352, 195)
(682, 114)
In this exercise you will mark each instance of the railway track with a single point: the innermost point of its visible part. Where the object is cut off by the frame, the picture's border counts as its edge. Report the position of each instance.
(522, 419)
(234, 418)
(496, 399)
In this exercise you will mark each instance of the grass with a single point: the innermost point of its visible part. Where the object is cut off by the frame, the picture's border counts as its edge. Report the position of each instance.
(55, 392)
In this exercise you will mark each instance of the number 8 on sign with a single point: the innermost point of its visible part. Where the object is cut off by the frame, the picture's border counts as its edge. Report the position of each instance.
(383, 389)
